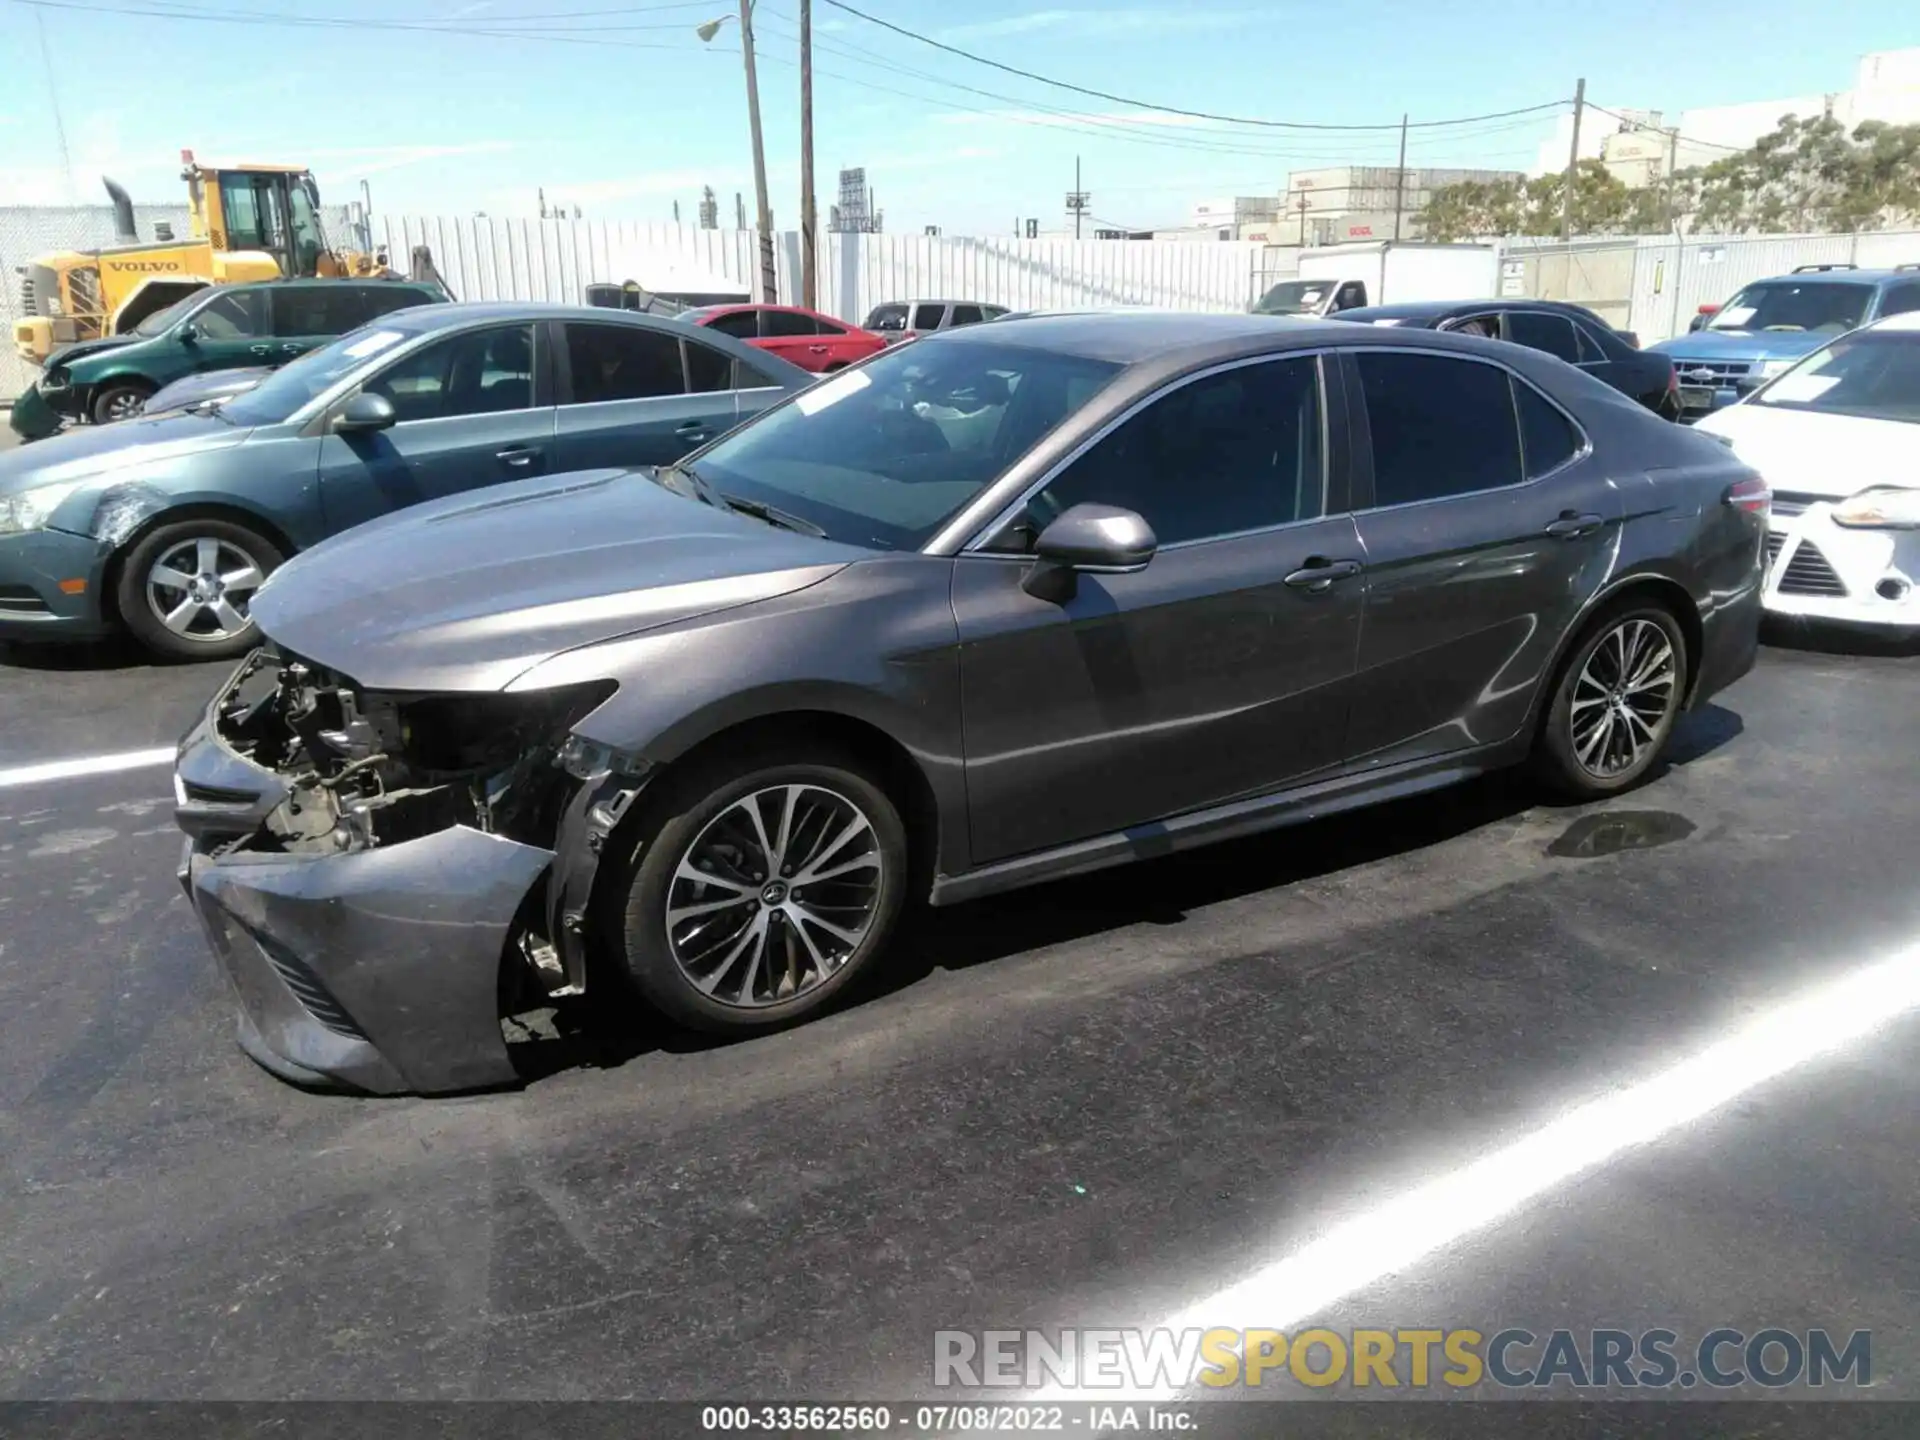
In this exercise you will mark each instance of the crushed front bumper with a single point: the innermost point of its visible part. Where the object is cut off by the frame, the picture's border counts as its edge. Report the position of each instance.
(375, 970)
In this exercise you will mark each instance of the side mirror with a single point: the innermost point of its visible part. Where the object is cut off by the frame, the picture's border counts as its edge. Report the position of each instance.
(363, 413)
(1089, 539)
(187, 335)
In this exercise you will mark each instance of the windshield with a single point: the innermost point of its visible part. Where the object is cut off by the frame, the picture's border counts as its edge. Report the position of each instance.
(288, 388)
(1782, 305)
(1294, 297)
(158, 322)
(1875, 376)
(883, 455)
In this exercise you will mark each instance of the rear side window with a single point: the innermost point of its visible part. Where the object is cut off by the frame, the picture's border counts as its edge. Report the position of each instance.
(707, 368)
(746, 377)
(318, 309)
(741, 324)
(378, 300)
(1592, 348)
(967, 315)
(928, 317)
(1439, 426)
(621, 362)
(1551, 333)
(1547, 439)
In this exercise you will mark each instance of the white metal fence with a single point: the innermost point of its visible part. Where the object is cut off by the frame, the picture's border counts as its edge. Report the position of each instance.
(1649, 284)
(489, 259)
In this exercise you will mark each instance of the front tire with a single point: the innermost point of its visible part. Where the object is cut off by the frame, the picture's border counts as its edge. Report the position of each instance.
(185, 589)
(120, 400)
(1616, 703)
(760, 888)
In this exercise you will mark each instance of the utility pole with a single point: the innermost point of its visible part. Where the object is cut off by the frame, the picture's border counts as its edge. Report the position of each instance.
(1673, 157)
(1302, 207)
(807, 265)
(1400, 179)
(739, 212)
(1573, 162)
(769, 283)
(1076, 199)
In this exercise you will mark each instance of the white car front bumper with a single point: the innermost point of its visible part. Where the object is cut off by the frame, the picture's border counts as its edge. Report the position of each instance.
(1818, 570)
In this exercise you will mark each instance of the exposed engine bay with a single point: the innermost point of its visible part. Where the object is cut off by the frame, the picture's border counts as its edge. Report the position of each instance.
(365, 769)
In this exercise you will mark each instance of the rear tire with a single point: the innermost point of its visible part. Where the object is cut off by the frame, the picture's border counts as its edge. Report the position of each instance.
(120, 400)
(759, 945)
(184, 589)
(1615, 703)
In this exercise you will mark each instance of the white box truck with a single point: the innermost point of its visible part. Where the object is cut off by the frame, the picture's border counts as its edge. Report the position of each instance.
(1383, 272)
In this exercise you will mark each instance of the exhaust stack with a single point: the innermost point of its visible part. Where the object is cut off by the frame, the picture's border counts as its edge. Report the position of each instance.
(123, 228)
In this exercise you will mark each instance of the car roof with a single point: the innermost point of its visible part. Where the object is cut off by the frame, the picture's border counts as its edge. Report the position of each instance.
(1433, 309)
(445, 317)
(1837, 277)
(297, 282)
(1181, 338)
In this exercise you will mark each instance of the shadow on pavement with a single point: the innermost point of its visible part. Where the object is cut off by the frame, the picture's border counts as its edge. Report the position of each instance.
(1790, 634)
(1160, 891)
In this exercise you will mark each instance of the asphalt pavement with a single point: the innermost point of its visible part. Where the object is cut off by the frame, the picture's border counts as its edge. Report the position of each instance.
(1092, 1103)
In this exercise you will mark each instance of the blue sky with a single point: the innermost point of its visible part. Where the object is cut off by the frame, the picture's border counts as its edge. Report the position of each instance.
(622, 110)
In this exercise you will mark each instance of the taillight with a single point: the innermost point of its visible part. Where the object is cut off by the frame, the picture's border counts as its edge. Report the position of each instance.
(1753, 496)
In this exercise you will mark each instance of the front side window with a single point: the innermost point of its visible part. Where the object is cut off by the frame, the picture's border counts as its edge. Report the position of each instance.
(1551, 333)
(482, 372)
(787, 324)
(161, 321)
(1293, 297)
(967, 315)
(1790, 307)
(308, 242)
(928, 317)
(884, 455)
(1352, 296)
(231, 316)
(622, 362)
(1440, 426)
(292, 386)
(1874, 375)
(1220, 455)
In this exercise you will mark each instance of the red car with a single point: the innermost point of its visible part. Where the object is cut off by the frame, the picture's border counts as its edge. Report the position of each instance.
(801, 337)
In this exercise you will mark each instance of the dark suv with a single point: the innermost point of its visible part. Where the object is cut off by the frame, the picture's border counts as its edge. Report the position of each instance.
(219, 328)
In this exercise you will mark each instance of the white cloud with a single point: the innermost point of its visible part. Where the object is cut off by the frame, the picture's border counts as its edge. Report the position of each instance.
(1098, 24)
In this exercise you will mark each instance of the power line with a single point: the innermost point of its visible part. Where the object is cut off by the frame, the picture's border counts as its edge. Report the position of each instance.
(1675, 132)
(1171, 109)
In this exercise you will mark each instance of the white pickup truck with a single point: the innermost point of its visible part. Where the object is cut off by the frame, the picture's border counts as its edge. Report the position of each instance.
(1378, 272)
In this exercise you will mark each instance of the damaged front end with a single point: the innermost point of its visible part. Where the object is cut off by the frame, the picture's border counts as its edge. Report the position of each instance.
(377, 870)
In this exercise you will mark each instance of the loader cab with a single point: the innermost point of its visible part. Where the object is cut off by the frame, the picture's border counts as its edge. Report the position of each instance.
(269, 208)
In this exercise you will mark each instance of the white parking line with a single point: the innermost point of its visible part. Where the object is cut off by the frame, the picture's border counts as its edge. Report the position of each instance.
(1422, 1221)
(85, 765)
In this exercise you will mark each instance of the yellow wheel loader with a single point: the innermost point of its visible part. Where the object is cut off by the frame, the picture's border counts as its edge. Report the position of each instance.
(248, 222)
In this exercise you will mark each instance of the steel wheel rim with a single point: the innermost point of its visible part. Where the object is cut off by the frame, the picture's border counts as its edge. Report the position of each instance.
(1622, 698)
(124, 405)
(200, 589)
(774, 895)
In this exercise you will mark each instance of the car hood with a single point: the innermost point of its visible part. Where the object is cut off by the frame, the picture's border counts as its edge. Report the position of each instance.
(207, 384)
(465, 594)
(1742, 344)
(87, 451)
(80, 349)
(1805, 452)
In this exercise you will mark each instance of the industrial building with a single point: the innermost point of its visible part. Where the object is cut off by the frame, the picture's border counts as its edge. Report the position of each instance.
(1358, 202)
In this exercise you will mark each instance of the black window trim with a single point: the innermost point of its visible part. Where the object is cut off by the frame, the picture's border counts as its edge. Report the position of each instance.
(1332, 490)
(1360, 484)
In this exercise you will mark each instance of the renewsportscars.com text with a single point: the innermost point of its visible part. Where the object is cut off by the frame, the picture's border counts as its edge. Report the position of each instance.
(1410, 1359)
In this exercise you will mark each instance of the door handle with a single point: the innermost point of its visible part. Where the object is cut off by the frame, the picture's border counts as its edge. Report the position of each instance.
(1319, 573)
(1572, 525)
(817, 349)
(261, 349)
(691, 430)
(293, 349)
(518, 456)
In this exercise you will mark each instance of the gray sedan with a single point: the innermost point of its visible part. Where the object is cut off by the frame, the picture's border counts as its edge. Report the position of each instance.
(168, 525)
(1006, 604)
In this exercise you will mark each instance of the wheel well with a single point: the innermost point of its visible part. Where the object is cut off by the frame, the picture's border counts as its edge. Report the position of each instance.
(1670, 595)
(232, 514)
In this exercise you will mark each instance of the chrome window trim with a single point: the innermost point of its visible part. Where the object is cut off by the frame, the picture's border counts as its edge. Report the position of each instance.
(1582, 453)
(979, 532)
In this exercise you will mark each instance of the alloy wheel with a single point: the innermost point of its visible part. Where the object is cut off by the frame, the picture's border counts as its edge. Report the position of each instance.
(124, 405)
(201, 587)
(1623, 698)
(774, 895)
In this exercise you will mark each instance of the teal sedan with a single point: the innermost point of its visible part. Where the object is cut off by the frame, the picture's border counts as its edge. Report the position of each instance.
(165, 525)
